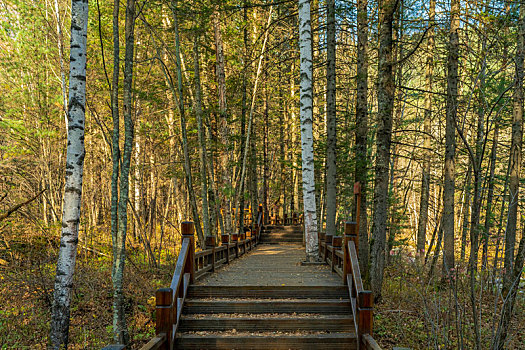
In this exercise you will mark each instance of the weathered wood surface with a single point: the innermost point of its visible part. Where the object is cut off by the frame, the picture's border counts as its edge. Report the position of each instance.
(272, 265)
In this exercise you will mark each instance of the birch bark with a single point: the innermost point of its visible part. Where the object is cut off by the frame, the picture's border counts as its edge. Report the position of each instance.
(73, 177)
(307, 144)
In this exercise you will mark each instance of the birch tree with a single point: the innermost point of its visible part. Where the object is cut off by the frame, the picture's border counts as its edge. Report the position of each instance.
(307, 142)
(73, 177)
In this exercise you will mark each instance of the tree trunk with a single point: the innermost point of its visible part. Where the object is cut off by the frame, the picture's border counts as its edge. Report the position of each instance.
(224, 126)
(515, 149)
(450, 139)
(331, 121)
(202, 139)
(120, 332)
(307, 146)
(427, 129)
(385, 97)
(490, 196)
(187, 160)
(73, 178)
(361, 133)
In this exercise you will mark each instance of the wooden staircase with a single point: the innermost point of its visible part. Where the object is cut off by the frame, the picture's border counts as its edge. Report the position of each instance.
(267, 317)
(282, 234)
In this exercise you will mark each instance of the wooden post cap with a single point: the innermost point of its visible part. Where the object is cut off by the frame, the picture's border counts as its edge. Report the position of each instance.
(210, 241)
(164, 296)
(351, 228)
(187, 228)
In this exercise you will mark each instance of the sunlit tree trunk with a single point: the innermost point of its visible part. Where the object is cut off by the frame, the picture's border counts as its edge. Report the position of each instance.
(307, 146)
(73, 177)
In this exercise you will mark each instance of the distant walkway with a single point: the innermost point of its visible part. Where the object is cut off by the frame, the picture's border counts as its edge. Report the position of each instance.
(272, 265)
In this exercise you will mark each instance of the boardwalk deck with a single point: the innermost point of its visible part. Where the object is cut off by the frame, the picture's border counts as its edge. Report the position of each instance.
(272, 265)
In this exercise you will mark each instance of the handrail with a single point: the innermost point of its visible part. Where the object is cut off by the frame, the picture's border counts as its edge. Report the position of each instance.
(341, 253)
(191, 266)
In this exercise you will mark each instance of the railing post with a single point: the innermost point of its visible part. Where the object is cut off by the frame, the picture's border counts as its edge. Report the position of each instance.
(164, 313)
(225, 240)
(210, 244)
(337, 241)
(235, 240)
(350, 235)
(187, 230)
(365, 317)
(328, 241)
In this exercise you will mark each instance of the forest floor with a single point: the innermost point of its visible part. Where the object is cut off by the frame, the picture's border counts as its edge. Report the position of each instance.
(412, 314)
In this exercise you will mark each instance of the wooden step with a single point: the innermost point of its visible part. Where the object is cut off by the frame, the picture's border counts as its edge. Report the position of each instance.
(331, 306)
(265, 341)
(296, 292)
(312, 322)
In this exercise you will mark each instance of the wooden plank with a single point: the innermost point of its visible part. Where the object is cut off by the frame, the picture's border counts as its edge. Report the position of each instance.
(155, 343)
(356, 273)
(297, 292)
(330, 323)
(338, 270)
(369, 343)
(335, 306)
(313, 342)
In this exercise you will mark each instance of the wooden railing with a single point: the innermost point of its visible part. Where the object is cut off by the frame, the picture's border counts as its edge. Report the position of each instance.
(340, 252)
(294, 219)
(190, 267)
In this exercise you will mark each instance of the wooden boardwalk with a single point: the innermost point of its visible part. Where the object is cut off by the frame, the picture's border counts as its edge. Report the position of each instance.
(272, 265)
(254, 292)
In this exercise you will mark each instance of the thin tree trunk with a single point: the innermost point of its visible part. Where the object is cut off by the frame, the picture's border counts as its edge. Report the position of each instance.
(490, 197)
(427, 129)
(73, 178)
(466, 212)
(385, 97)
(120, 332)
(252, 107)
(224, 126)
(331, 121)
(450, 139)
(187, 160)
(307, 146)
(202, 139)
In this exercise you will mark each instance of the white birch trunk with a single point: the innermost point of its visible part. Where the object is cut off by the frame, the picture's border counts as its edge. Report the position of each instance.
(73, 178)
(307, 142)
